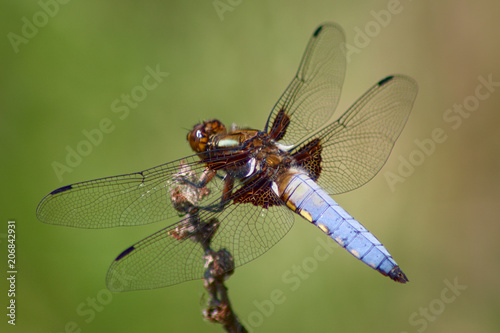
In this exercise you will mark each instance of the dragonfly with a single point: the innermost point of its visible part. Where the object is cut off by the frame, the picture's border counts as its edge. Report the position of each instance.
(255, 181)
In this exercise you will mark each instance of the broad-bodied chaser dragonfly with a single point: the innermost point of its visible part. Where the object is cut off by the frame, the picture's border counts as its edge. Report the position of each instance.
(255, 180)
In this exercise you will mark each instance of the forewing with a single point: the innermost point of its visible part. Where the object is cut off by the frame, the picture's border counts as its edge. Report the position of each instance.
(126, 200)
(312, 96)
(357, 145)
(160, 260)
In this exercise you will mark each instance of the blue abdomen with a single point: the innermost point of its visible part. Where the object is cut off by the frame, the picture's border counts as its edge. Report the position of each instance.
(307, 199)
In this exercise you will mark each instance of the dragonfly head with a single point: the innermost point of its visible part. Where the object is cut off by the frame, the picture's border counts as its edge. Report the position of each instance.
(200, 135)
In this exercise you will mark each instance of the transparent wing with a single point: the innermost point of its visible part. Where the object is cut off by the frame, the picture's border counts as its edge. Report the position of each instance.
(160, 260)
(126, 200)
(245, 230)
(357, 145)
(313, 94)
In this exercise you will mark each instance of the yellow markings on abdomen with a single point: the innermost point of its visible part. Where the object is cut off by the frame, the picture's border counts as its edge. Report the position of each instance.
(355, 253)
(305, 214)
(291, 205)
(323, 228)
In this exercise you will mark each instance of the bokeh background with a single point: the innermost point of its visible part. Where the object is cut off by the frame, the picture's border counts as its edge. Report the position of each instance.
(440, 221)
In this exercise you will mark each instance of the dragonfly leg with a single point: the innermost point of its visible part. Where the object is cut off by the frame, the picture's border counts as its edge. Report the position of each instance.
(225, 199)
(205, 178)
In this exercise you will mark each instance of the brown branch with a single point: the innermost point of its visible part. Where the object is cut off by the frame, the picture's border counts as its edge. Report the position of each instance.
(220, 264)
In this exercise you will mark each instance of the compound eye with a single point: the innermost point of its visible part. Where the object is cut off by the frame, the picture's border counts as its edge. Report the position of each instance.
(198, 134)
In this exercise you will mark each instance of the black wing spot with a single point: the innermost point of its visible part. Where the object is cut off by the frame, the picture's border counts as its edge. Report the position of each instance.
(62, 189)
(124, 253)
(384, 81)
(316, 33)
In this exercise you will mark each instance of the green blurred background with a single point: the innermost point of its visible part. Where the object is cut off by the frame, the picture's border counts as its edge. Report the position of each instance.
(441, 223)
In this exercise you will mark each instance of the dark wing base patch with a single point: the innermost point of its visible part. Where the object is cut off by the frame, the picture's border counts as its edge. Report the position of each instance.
(309, 158)
(280, 125)
(257, 192)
